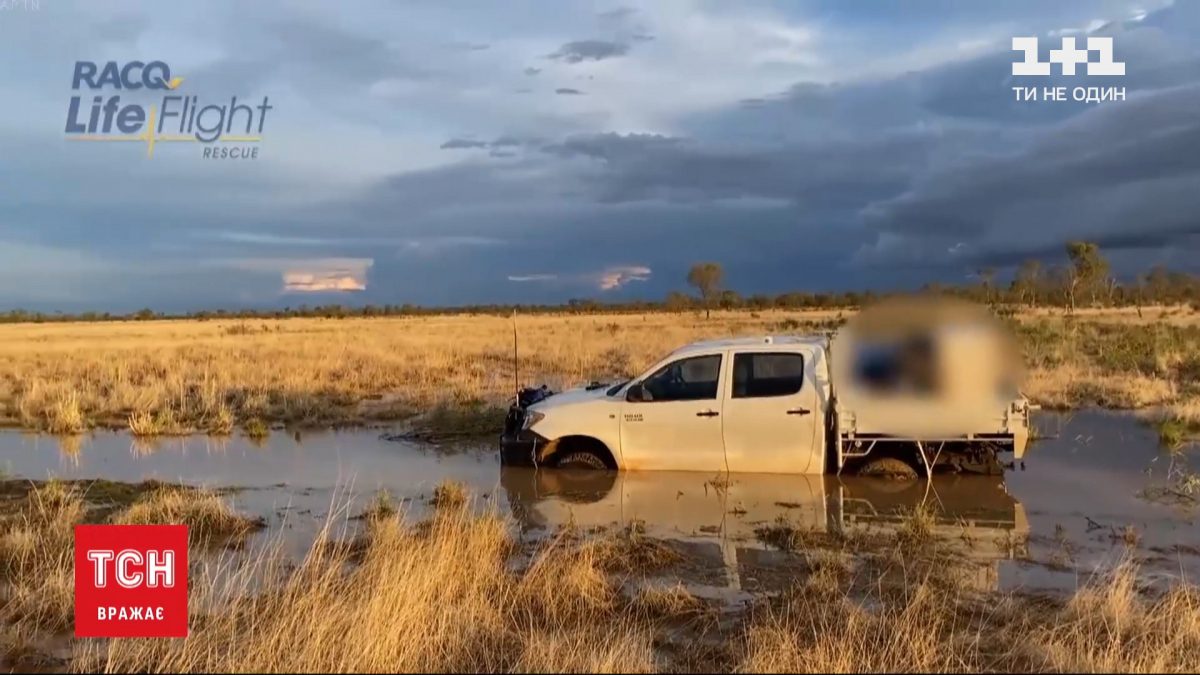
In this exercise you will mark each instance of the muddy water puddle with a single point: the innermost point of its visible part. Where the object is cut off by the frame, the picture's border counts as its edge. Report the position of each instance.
(1095, 491)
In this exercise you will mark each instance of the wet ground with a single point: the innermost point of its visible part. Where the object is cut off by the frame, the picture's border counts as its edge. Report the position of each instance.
(1095, 490)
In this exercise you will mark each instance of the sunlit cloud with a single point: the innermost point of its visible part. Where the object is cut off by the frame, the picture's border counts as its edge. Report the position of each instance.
(608, 279)
(313, 275)
(616, 277)
(331, 275)
(308, 282)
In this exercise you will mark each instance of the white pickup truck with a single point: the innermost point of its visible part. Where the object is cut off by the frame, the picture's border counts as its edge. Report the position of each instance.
(774, 405)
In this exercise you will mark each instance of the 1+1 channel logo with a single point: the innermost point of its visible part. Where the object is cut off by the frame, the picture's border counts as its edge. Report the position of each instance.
(231, 130)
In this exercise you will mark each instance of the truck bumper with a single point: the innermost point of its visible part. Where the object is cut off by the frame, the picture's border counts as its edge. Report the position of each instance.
(520, 448)
(1020, 442)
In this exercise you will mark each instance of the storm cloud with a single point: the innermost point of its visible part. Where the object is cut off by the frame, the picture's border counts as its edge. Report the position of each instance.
(462, 143)
(589, 50)
(803, 147)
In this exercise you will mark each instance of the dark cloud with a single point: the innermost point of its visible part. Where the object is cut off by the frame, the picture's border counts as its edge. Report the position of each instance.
(617, 14)
(531, 71)
(567, 91)
(611, 146)
(638, 167)
(885, 181)
(463, 144)
(1097, 175)
(589, 50)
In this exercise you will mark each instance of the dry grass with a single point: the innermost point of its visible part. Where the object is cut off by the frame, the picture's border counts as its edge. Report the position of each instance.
(381, 507)
(813, 633)
(444, 596)
(1187, 412)
(1178, 424)
(37, 591)
(172, 376)
(1122, 364)
(437, 598)
(1110, 627)
(37, 537)
(629, 551)
(160, 423)
(65, 416)
(670, 601)
(167, 377)
(1068, 385)
(208, 516)
(449, 495)
(1107, 626)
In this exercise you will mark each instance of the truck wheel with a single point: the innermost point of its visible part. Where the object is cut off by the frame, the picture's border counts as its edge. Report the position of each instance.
(986, 465)
(888, 467)
(581, 459)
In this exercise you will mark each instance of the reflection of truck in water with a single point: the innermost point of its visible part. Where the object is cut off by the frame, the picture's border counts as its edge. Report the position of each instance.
(720, 520)
(902, 389)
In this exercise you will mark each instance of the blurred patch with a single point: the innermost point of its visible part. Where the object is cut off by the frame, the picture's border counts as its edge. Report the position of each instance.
(926, 362)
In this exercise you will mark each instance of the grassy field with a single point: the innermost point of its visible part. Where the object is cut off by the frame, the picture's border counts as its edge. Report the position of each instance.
(458, 592)
(171, 377)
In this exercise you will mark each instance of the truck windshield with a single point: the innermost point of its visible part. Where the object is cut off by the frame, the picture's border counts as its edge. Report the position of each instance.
(612, 391)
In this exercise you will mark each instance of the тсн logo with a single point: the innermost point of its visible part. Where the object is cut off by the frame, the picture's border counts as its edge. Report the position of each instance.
(176, 118)
(131, 581)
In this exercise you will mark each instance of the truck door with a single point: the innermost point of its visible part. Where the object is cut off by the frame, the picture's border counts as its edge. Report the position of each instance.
(677, 424)
(771, 412)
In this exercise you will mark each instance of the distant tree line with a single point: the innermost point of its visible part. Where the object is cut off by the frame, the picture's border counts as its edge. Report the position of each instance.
(1083, 279)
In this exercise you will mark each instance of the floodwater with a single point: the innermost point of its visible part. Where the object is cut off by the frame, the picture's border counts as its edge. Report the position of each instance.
(1094, 491)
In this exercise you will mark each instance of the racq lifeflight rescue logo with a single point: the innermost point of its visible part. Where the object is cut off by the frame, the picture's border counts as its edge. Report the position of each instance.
(135, 112)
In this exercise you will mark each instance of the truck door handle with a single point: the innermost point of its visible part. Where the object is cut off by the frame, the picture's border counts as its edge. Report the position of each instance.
(707, 413)
(799, 411)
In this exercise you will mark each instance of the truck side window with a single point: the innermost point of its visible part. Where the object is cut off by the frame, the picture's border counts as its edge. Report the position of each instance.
(759, 374)
(691, 379)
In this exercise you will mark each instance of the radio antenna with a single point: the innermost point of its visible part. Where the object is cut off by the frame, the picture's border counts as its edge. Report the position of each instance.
(516, 373)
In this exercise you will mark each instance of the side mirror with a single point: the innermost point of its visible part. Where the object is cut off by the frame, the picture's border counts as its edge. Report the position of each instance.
(635, 393)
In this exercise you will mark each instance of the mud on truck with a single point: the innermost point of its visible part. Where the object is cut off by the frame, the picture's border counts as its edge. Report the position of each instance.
(902, 389)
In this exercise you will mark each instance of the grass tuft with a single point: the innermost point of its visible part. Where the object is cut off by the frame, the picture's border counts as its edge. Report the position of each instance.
(37, 558)
(449, 495)
(208, 516)
(256, 429)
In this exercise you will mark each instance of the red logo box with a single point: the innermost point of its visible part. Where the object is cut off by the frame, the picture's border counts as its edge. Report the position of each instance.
(131, 581)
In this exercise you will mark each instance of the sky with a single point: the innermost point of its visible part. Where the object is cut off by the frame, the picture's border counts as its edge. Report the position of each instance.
(449, 153)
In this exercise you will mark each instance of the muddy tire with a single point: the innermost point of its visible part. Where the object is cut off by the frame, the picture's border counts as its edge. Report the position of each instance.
(578, 486)
(985, 465)
(580, 459)
(888, 467)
